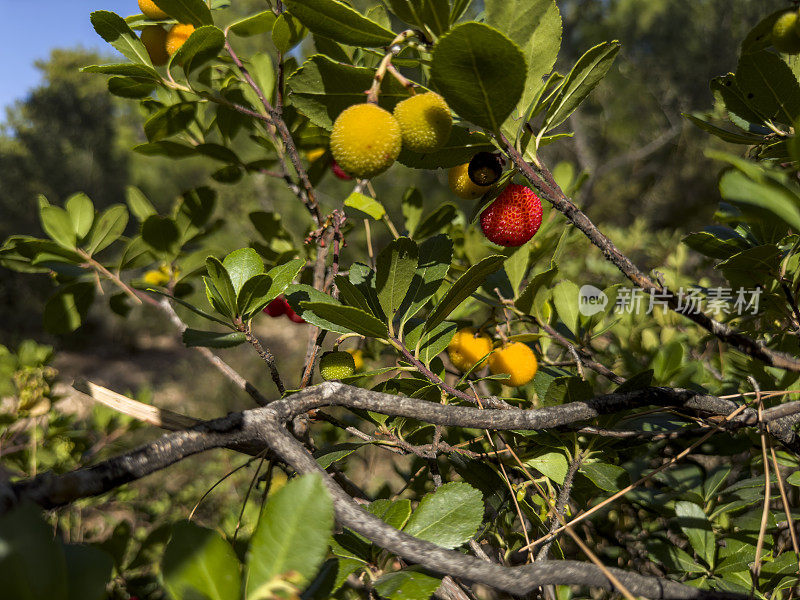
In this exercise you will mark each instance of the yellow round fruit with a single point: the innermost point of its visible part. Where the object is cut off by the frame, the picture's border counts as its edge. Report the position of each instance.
(785, 36)
(313, 155)
(467, 348)
(517, 360)
(425, 122)
(151, 11)
(177, 36)
(462, 186)
(154, 38)
(158, 278)
(366, 140)
(358, 358)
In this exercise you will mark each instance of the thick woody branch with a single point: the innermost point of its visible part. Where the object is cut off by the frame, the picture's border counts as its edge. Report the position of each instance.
(265, 427)
(543, 181)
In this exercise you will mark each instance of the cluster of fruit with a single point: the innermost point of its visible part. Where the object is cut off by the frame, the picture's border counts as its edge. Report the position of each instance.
(469, 349)
(280, 307)
(160, 43)
(786, 32)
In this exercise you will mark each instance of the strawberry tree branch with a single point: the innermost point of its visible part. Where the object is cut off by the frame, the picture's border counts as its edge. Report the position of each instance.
(544, 182)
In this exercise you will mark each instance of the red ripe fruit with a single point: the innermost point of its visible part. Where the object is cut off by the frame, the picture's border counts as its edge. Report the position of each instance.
(294, 316)
(339, 172)
(278, 307)
(513, 218)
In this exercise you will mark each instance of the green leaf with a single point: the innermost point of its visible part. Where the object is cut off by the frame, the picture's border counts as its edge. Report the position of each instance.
(435, 221)
(463, 288)
(542, 281)
(731, 136)
(169, 120)
(57, 223)
(366, 205)
(566, 298)
(193, 338)
(710, 245)
(253, 296)
(535, 26)
(337, 21)
(287, 32)
(696, 526)
(433, 342)
(435, 256)
(480, 72)
(253, 25)
(396, 268)
(199, 563)
(263, 72)
(672, 557)
(325, 458)
(68, 307)
(89, 571)
(553, 465)
(81, 213)
(282, 277)
(460, 147)
(347, 319)
(113, 29)
(609, 478)
(408, 584)
(195, 12)
(138, 203)
(125, 69)
(162, 235)
(351, 295)
(564, 390)
(107, 228)
(291, 536)
(448, 517)
(752, 266)
(128, 87)
(32, 565)
(322, 88)
(780, 200)
(221, 281)
(516, 266)
(587, 73)
(242, 265)
(769, 84)
(394, 513)
(203, 45)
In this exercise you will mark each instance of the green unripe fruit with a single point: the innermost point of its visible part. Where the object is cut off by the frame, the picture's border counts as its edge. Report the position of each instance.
(365, 140)
(336, 365)
(425, 122)
(785, 36)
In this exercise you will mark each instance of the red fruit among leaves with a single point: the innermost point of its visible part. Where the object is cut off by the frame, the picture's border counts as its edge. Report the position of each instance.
(513, 218)
(339, 172)
(277, 307)
(294, 316)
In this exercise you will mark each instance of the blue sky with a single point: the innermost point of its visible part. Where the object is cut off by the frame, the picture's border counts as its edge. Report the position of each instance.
(32, 27)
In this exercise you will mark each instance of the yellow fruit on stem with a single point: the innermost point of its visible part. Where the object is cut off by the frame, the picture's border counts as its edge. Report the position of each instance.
(154, 38)
(785, 33)
(358, 358)
(158, 277)
(365, 140)
(313, 155)
(517, 360)
(467, 348)
(336, 365)
(177, 36)
(151, 11)
(462, 186)
(425, 122)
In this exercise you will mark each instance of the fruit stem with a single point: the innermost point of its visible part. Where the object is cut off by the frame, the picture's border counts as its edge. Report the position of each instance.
(394, 49)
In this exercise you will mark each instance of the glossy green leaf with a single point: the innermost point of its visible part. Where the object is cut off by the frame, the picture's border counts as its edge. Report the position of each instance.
(696, 526)
(162, 235)
(541, 281)
(770, 86)
(553, 465)
(287, 32)
(435, 256)
(463, 288)
(365, 204)
(408, 584)
(609, 478)
(291, 536)
(339, 22)
(395, 513)
(256, 24)
(107, 228)
(128, 87)
(566, 298)
(81, 213)
(222, 284)
(203, 45)
(242, 265)
(587, 73)
(199, 563)
(113, 29)
(195, 12)
(212, 339)
(347, 319)
(57, 223)
(138, 71)
(448, 517)
(434, 222)
(780, 200)
(480, 72)
(138, 204)
(169, 120)
(396, 268)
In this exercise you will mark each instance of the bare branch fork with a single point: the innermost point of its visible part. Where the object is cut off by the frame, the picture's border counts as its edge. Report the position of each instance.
(253, 430)
(544, 182)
